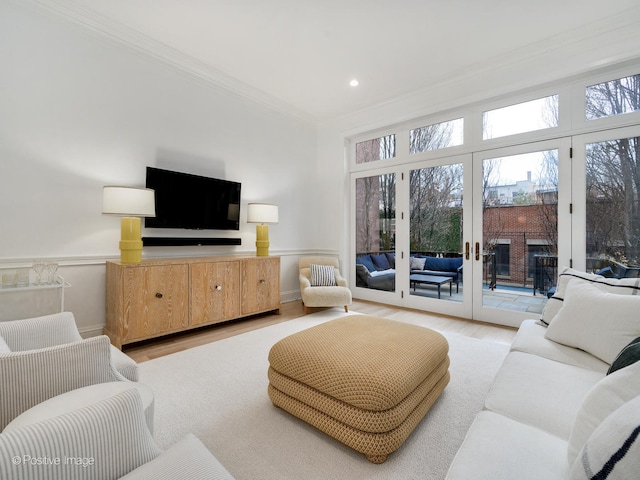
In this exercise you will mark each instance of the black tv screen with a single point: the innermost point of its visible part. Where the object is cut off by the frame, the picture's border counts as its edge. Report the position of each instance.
(193, 202)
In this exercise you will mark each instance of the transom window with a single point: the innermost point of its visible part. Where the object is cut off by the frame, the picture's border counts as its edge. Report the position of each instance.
(613, 98)
(380, 148)
(436, 136)
(520, 118)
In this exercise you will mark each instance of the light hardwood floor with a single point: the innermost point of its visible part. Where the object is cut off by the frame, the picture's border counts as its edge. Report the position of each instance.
(159, 347)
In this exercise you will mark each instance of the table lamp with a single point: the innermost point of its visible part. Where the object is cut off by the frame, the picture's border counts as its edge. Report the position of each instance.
(130, 203)
(262, 213)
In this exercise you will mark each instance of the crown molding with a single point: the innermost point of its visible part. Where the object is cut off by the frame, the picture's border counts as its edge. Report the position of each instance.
(121, 35)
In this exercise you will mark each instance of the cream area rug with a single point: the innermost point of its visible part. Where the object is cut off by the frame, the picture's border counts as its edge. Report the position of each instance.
(218, 392)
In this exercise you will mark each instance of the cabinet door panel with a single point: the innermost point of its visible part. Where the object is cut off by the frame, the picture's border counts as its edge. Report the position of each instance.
(155, 300)
(215, 292)
(260, 285)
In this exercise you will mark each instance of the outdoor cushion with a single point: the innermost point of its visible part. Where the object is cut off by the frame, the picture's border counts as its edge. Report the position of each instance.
(367, 262)
(380, 261)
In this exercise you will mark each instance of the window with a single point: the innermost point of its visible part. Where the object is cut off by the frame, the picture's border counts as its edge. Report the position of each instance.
(520, 118)
(502, 251)
(436, 136)
(613, 98)
(377, 149)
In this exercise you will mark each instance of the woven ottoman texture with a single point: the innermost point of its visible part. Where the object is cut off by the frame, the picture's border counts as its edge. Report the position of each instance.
(363, 380)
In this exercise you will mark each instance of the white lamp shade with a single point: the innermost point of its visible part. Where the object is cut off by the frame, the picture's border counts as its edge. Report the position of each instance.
(129, 201)
(262, 213)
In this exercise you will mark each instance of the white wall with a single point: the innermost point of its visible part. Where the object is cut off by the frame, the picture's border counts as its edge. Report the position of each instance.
(79, 111)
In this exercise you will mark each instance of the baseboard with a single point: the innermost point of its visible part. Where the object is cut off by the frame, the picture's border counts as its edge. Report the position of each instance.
(91, 331)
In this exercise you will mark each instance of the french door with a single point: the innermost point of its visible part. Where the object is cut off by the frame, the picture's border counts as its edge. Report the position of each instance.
(521, 228)
(501, 215)
(415, 218)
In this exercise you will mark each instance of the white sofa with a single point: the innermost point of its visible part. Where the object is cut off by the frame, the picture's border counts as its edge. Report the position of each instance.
(553, 411)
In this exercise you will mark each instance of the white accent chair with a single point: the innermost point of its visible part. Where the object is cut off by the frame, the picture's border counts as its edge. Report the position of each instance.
(30, 377)
(56, 329)
(105, 440)
(323, 296)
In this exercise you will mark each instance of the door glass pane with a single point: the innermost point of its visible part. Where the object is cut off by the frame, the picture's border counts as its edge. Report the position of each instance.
(375, 232)
(520, 118)
(613, 98)
(376, 149)
(613, 206)
(436, 136)
(436, 232)
(520, 230)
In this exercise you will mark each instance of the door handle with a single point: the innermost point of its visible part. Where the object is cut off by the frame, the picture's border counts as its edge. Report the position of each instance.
(466, 251)
(477, 250)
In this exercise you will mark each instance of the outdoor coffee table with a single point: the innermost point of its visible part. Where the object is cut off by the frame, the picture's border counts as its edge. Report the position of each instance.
(417, 278)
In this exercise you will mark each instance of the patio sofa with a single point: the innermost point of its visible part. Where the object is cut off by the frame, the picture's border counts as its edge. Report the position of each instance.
(438, 266)
(566, 402)
(377, 270)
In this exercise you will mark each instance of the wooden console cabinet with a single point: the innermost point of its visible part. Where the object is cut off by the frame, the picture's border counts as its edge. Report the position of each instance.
(162, 296)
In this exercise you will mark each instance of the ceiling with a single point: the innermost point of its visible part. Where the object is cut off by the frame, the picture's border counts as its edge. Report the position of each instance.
(300, 54)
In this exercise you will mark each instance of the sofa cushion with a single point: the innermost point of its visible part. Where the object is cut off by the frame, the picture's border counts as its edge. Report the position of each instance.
(530, 339)
(442, 264)
(540, 392)
(613, 450)
(628, 355)
(554, 304)
(499, 448)
(596, 321)
(603, 399)
(417, 263)
(367, 262)
(381, 262)
(625, 286)
(392, 259)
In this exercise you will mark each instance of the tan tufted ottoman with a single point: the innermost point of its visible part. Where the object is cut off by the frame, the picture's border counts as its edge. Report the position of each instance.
(365, 381)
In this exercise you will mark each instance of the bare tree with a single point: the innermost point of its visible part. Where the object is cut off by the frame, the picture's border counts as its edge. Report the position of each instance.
(434, 198)
(613, 176)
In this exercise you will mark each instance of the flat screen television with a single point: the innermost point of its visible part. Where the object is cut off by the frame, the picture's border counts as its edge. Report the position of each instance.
(193, 202)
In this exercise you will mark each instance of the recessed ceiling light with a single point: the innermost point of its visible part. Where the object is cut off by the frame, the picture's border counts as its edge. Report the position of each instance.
(354, 83)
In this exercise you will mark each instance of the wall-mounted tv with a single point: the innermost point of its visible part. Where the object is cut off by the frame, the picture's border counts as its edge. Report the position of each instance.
(193, 202)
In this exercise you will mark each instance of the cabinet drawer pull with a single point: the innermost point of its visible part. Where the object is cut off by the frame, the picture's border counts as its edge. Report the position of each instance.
(158, 295)
(218, 287)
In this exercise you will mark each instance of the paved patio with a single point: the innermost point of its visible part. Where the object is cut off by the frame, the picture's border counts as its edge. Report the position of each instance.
(505, 298)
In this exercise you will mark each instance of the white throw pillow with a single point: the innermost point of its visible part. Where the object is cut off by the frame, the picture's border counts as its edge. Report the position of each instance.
(4, 348)
(622, 286)
(602, 400)
(613, 450)
(554, 304)
(596, 321)
(416, 263)
(322, 275)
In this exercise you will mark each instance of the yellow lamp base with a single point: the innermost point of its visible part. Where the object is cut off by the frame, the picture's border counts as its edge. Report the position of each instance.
(130, 240)
(262, 240)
